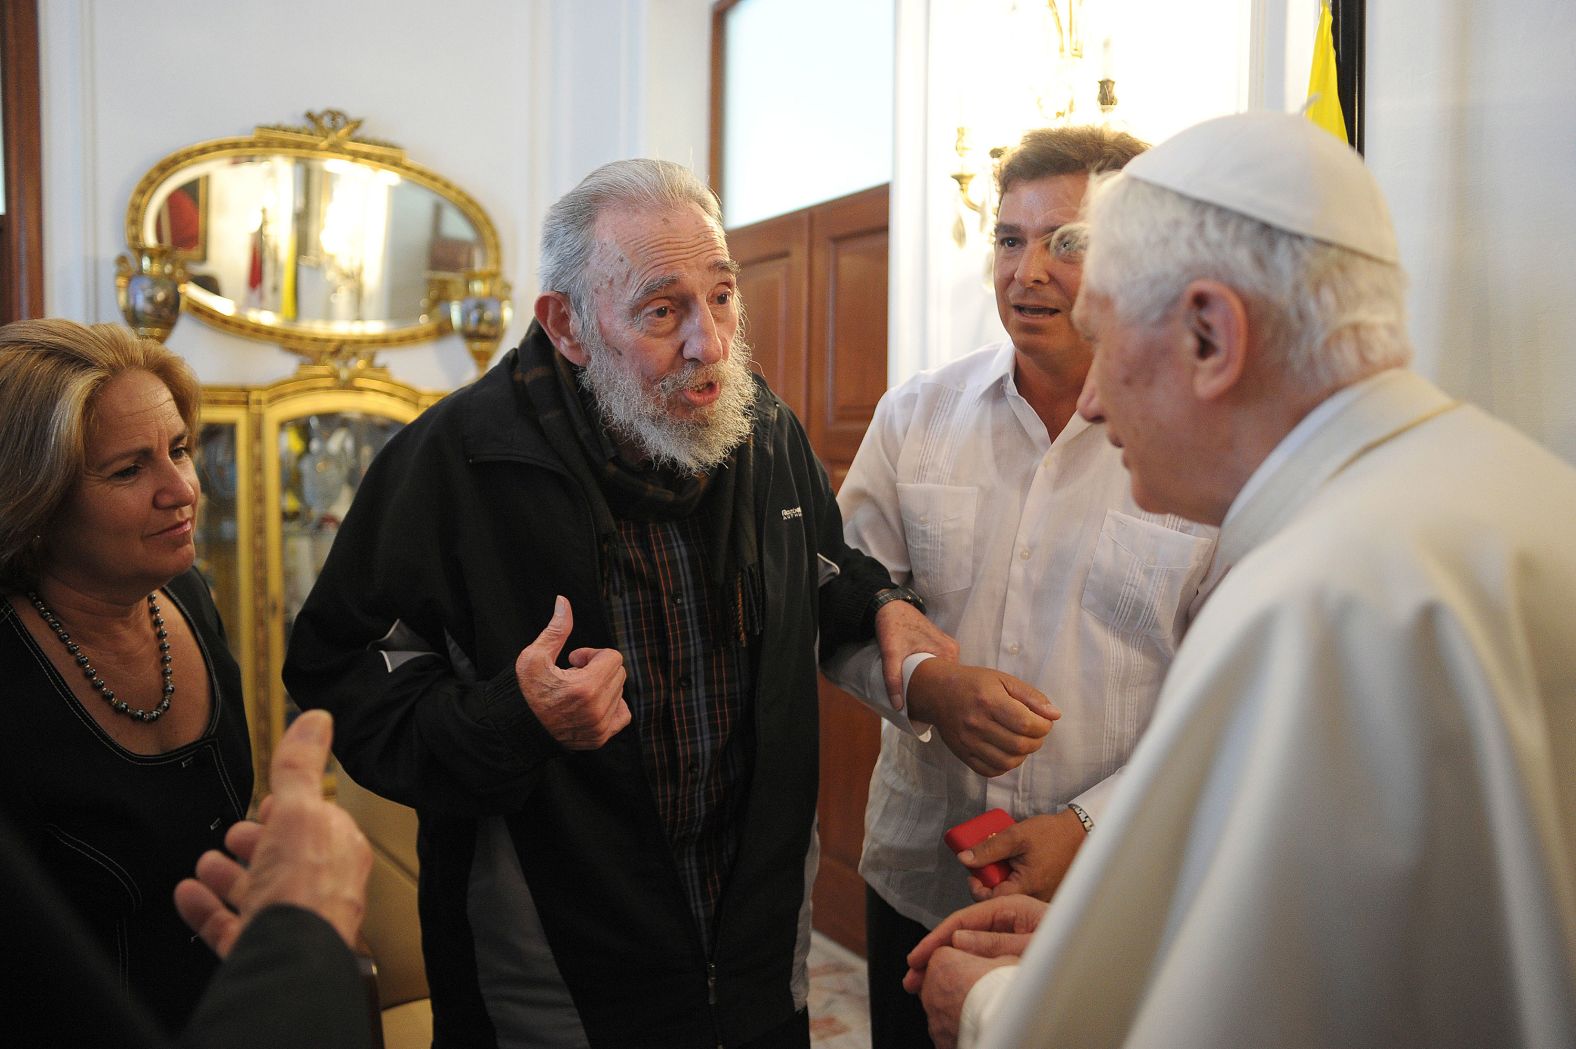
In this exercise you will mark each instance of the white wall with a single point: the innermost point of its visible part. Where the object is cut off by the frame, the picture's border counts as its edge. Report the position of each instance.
(1472, 133)
(513, 101)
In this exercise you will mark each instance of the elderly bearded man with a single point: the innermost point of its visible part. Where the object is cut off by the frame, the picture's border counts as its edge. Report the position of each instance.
(1353, 821)
(572, 619)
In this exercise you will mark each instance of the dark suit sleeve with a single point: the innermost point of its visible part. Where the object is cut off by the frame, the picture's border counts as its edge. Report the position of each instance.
(289, 980)
(844, 600)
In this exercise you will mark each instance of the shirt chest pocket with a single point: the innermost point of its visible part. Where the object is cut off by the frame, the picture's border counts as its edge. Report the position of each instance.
(1143, 576)
(938, 527)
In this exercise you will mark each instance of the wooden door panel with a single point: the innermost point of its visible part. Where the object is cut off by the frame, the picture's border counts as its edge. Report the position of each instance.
(773, 258)
(22, 229)
(850, 740)
(848, 331)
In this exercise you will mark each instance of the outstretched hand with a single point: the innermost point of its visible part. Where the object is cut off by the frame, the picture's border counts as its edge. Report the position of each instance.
(582, 707)
(306, 852)
(998, 928)
(950, 960)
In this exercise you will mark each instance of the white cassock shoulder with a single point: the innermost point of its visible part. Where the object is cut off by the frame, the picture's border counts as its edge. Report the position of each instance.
(1335, 832)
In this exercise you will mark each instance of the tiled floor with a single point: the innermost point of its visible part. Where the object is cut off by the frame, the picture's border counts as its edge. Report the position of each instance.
(839, 1003)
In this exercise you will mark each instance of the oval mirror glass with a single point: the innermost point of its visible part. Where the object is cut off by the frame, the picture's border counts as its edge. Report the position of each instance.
(309, 237)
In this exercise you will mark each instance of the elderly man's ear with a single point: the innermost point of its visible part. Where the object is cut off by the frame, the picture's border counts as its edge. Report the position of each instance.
(553, 313)
(1216, 324)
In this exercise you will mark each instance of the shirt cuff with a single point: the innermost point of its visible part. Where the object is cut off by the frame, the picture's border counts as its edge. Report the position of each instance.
(920, 728)
(857, 669)
(983, 1002)
(1097, 798)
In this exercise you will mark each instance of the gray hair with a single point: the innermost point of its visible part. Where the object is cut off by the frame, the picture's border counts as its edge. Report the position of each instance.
(569, 230)
(1331, 316)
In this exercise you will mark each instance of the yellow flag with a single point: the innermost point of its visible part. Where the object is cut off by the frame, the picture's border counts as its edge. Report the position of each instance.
(1324, 98)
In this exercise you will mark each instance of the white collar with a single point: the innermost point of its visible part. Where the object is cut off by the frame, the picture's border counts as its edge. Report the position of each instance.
(1003, 371)
(1300, 435)
(1345, 426)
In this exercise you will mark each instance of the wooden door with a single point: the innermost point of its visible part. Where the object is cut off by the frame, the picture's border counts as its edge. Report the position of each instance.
(22, 217)
(848, 323)
(814, 285)
(774, 274)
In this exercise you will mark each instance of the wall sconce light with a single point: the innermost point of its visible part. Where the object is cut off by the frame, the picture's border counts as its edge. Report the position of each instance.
(481, 314)
(976, 179)
(148, 288)
(976, 173)
(1055, 30)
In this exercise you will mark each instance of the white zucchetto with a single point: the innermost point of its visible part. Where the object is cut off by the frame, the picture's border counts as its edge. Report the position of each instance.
(1280, 169)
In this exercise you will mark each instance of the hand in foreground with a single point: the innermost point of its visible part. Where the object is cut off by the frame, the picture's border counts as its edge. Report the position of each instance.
(1039, 850)
(901, 631)
(950, 960)
(307, 852)
(998, 928)
(953, 974)
(992, 721)
(582, 707)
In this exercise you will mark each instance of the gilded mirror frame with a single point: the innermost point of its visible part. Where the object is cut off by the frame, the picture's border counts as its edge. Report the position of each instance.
(329, 135)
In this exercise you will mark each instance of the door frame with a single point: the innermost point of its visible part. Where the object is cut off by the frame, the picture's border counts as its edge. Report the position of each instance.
(21, 227)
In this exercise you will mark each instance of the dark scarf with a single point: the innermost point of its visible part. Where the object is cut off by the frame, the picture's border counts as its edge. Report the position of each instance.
(724, 499)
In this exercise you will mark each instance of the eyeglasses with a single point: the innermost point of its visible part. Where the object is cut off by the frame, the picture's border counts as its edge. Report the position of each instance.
(1070, 242)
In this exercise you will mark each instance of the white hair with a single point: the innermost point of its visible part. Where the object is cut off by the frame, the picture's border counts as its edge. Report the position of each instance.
(1330, 315)
(569, 229)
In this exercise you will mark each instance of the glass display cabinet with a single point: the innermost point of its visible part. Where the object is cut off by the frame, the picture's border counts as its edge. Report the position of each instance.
(225, 524)
(279, 465)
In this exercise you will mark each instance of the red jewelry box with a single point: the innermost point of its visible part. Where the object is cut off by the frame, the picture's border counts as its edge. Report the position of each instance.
(970, 833)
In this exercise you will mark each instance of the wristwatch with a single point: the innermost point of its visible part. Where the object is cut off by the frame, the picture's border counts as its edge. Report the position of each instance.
(894, 593)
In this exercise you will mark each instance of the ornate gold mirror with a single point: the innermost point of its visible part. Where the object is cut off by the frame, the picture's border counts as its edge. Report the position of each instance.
(327, 244)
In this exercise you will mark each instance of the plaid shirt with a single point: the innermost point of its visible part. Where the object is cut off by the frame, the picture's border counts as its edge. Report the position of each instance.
(686, 693)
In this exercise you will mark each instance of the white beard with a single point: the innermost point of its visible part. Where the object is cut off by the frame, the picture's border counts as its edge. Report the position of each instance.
(639, 413)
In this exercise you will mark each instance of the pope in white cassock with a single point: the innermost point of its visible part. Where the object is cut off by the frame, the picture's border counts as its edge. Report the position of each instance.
(1353, 820)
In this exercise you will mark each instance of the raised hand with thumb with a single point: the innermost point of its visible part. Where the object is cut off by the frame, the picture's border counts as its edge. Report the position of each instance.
(581, 706)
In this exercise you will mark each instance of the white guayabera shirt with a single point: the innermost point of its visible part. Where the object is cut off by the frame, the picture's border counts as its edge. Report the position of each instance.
(1031, 552)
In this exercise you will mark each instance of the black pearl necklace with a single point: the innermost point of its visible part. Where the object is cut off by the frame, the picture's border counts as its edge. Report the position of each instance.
(119, 706)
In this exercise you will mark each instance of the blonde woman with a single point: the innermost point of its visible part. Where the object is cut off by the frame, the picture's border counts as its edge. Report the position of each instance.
(126, 755)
